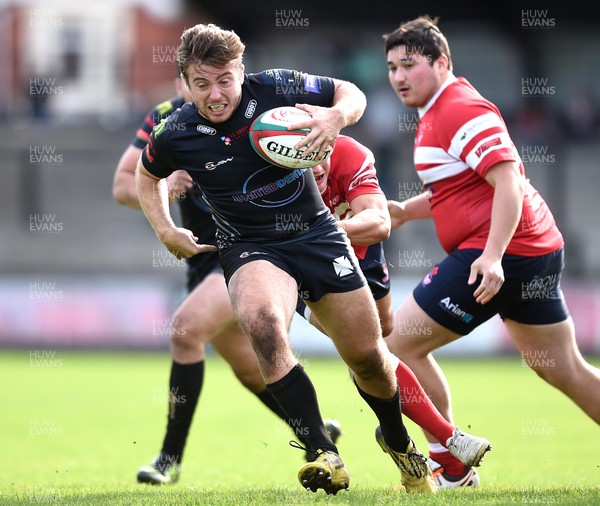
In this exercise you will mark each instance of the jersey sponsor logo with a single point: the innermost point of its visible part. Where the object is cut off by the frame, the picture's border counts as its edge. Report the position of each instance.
(311, 83)
(246, 254)
(454, 310)
(214, 165)
(203, 129)
(342, 266)
(487, 145)
(260, 188)
(250, 109)
(239, 134)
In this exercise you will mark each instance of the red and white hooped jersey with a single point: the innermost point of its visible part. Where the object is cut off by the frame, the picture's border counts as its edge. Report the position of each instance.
(352, 173)
(460, 136)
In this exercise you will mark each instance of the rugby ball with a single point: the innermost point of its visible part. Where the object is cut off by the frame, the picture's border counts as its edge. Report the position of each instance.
(271, 139)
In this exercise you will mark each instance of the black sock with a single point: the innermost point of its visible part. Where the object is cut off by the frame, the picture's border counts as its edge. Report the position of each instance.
(185, 385)
(389, 414)
(297, 397)
(268, 400)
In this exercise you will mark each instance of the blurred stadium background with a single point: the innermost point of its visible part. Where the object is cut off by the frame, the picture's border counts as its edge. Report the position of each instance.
(77, 78)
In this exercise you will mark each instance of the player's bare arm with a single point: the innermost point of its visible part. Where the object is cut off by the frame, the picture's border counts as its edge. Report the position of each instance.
(414, 208)
(509, 191)
(349, 104)
(124, 186)
(154, 201)
(370, 223)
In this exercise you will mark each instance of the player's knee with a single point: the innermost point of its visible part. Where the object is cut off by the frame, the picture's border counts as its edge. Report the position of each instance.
(368, 364)
(265, 331)
(185, 333)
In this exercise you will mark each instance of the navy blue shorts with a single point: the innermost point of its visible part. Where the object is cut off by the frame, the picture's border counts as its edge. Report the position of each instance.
(531, 292)
(321, 260)
(200, 266)
(374, 267)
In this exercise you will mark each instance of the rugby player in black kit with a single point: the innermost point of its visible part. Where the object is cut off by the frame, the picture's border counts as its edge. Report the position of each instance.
(265, 268)
(205, 315)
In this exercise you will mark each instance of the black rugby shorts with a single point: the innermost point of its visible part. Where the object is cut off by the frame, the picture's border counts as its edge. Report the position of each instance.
(320, 260)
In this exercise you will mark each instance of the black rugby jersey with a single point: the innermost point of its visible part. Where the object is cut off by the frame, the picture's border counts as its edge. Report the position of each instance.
(250, 199)
(195, 213)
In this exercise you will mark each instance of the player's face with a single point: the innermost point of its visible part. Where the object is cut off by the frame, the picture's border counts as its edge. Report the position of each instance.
(321, 173)
(216, 91)
(412, 76)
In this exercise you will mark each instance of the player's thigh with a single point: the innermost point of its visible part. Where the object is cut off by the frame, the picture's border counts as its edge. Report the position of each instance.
(550, 346)
(350, 319)
(263, 294)
(415, 333)
(207, 309)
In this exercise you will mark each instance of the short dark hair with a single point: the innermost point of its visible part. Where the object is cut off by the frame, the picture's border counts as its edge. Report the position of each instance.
(209, 45)
(421, 35)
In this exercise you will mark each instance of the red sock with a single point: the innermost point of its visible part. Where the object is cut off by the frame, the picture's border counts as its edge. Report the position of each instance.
(418, 406)
(449, 462)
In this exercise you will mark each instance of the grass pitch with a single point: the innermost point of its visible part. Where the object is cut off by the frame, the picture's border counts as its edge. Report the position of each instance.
(76, 426)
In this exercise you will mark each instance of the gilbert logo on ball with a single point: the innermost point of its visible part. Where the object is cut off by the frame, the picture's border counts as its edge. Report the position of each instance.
(271, 139)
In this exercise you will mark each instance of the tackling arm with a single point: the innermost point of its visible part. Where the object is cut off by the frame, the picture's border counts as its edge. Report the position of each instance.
(370, 223)
(124, 186)
(415, 208)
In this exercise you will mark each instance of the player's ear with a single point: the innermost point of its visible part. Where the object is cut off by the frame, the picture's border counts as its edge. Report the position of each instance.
(442, 64)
